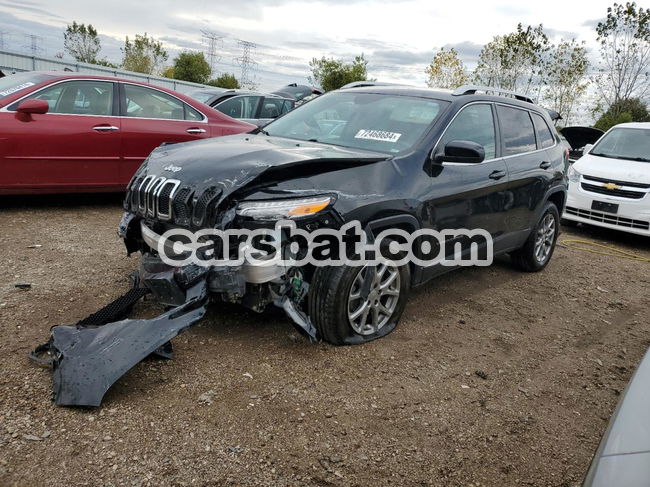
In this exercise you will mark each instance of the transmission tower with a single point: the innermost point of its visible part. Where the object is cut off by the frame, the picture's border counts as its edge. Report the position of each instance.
(3, 36)
(246, 61)
(33, 43)
(213, 42)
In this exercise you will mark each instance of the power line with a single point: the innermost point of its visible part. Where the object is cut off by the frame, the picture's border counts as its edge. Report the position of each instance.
(211, 40)
(246, 61)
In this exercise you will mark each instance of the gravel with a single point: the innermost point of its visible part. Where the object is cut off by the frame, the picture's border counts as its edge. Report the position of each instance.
(494, 377)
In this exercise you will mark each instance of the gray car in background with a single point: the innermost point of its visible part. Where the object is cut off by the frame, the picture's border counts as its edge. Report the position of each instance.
(623, 457)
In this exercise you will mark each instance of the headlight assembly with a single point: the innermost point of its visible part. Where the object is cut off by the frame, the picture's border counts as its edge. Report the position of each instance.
(574, 176)
(279, 209)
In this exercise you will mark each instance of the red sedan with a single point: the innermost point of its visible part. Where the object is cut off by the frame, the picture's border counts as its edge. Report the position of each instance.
(64, 133)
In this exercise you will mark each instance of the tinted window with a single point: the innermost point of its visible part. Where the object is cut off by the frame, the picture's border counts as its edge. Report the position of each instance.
(239, 106)
(272, 108)
(192, 114)
(77, 98)
(516, 130)
(287, 107)
(144, 102)
(544, 136)
(377, 122)
(476, 124)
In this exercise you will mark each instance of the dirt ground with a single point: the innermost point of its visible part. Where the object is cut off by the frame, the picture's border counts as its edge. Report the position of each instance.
(494, 377)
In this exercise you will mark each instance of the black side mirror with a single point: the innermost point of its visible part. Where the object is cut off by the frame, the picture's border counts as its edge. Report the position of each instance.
(463, 151)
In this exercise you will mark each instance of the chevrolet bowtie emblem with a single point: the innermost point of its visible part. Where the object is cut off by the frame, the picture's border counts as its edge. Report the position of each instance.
(611, 186)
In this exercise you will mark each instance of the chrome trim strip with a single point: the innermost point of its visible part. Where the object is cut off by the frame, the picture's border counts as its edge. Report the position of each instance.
(142, 193)
(167, 216)
(484, 102)
(152, 197)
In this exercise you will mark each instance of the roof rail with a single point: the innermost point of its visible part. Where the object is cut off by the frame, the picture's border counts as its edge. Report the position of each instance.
(472, 89)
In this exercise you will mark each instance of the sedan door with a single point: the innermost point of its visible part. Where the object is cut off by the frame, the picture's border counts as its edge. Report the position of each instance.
(470, 195)
(152, 117)
(75, 146)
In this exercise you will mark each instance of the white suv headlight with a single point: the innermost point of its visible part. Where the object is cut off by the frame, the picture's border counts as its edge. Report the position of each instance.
(279, 209)
(574, 176)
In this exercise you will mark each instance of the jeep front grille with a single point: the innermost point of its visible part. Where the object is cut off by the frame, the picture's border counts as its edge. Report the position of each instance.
(153, 196)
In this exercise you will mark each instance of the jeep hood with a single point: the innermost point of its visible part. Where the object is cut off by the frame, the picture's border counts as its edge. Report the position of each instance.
(232, 162)
(614, 169)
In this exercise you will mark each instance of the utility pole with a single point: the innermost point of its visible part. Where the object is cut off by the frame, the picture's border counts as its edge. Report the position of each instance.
(34, 42)
(211, 40)
(246, 61)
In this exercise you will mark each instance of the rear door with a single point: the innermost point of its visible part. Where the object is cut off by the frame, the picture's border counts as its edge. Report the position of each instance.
(529, 166)
(151, 117)
(74, 146)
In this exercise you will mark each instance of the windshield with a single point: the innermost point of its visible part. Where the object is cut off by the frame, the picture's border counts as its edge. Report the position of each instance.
(624, 143)
(377, 122)
(21, 81)
(204, 96)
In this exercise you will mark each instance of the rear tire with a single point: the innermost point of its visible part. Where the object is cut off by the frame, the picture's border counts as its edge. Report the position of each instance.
(344, 313)
(538, 249)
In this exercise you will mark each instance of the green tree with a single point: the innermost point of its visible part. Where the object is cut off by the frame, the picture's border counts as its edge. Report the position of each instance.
(82, 42)
(167, 72)
(143, 55)
(446, 70)
(623, 111)
(192, 66)
(624, 38)
(515, 61)
(331, 74)
(565, 77)
(225, 81)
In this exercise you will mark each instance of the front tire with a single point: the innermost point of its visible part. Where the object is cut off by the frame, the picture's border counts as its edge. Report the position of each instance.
(351, 305)
(538, 249)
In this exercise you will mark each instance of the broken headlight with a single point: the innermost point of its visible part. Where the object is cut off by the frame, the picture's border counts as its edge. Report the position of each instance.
(280, 209)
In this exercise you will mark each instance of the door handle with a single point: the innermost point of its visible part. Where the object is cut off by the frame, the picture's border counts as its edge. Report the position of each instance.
(105, 128)
(195, 130)
(545, 165)
(496, 175)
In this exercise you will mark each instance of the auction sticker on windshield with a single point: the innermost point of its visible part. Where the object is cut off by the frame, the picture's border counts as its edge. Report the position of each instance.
(16, 88)
(379, 135)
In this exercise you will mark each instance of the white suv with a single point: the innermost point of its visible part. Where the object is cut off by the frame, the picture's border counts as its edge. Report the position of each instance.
(609, 185)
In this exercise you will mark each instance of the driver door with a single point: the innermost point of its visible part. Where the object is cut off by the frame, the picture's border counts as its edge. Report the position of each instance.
(470, 195)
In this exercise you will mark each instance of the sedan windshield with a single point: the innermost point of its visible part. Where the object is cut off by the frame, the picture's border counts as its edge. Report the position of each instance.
(377, 122)
(624, 143)
(21, 81)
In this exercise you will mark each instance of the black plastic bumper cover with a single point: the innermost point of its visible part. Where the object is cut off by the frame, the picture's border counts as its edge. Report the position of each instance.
(87, 361)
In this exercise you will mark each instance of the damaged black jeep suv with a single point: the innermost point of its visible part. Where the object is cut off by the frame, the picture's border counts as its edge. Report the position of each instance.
(387, 157)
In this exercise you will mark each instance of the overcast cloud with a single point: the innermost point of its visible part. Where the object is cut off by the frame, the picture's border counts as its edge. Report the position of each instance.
(398, 38)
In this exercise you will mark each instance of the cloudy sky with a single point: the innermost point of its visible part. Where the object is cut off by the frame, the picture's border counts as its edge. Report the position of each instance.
(398, 37)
